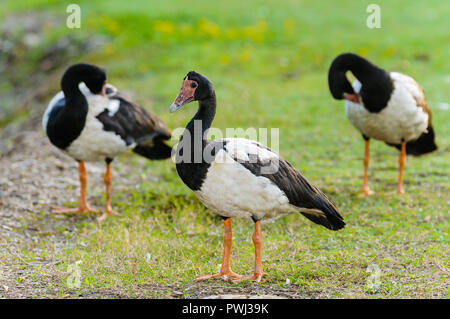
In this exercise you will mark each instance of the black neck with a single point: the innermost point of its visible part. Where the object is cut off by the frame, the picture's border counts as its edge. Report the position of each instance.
(191, 164)
(65, 124)
(204, 117)
(72, 93)
(376, 84)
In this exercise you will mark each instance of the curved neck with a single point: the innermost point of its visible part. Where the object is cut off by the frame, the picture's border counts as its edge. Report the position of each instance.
(376, 84)
(203, 118)
(72, 93)
(67, 123)
(191, 165)
(361, 68)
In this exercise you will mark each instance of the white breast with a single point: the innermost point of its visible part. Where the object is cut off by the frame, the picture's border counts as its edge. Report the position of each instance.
(231, 190)
(94, 143)
(51, 105)
(400, 119)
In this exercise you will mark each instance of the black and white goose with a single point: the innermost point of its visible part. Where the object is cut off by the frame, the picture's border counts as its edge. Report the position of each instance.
(91, 121)
(240, 178)
(387, 106)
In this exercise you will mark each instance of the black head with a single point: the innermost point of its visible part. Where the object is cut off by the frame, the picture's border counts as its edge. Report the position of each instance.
(195, 87)
(376, 88)
(338, 83)
(93, 76)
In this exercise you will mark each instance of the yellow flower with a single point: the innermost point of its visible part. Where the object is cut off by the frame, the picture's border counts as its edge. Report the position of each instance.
(246, 54)
(110, 24)
(162, 26)
(362, 52)
(209, 28)
(257, 31)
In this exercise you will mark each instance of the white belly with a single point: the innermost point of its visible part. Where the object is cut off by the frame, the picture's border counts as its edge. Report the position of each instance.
(95, 144)
(231, 190)
(400, 120)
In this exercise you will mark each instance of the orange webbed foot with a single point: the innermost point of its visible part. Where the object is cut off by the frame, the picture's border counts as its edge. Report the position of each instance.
(257, 276)
(366, 191)
(225, 275)
(80, 209)
(108, 212)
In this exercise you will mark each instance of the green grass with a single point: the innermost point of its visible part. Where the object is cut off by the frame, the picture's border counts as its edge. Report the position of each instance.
(269, 65)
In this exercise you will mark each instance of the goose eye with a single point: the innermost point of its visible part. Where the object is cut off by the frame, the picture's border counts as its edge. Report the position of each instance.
(193, 85)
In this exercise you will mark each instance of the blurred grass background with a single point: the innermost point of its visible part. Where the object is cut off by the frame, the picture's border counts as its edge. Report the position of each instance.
(268, 61)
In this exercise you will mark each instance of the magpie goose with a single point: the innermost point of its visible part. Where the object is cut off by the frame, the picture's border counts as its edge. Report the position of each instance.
(91, 120)
(386, 106)
(241, 178)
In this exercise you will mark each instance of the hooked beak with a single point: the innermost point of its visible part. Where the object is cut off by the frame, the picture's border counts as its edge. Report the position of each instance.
(185, 96)
(175, 107)
(179, 102)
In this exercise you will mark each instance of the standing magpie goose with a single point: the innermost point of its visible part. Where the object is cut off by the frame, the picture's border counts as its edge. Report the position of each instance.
(91, 120)
(387, 106)
(240, 178)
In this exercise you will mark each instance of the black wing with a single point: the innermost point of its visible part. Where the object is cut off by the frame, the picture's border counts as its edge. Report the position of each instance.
(137, 126)
(297, 189)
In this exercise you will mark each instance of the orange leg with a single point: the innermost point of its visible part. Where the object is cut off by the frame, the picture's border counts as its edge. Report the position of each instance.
(401, 163)
(257, 241)
(83, 206)
(108, 209)
(365, 188)
(225, 270)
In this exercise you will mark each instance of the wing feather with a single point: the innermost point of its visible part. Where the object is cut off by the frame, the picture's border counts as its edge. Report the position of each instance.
(314, 204)
(132, 122)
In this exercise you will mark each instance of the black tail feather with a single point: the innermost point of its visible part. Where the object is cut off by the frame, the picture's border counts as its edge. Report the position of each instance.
(327, 214)
(158, 150)
(423, 145)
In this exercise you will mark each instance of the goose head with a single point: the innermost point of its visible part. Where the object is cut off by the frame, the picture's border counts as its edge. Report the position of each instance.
(93, 76)
(195, 87)
(338, 83)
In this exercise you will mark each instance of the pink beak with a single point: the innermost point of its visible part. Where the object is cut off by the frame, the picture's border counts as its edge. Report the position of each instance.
(352, 97)
(103, 92)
